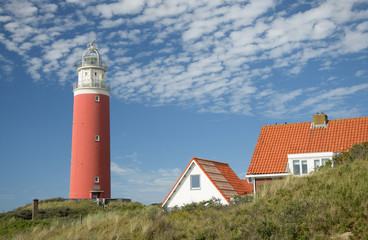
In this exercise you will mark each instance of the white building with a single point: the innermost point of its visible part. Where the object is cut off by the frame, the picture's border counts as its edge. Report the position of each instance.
(205, 179)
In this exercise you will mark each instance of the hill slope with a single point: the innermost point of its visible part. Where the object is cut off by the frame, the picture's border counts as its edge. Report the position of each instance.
(329, 203)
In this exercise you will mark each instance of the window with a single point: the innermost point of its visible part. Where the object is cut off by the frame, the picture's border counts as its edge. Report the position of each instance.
(304, 167)
(97, 179)
(301, 164)
(317, 163)
(97, 98)
(97, 138)
(296, 167)
(324, 160)
(195, 182)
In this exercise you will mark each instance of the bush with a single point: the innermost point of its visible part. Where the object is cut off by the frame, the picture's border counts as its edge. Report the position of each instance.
(357, 151)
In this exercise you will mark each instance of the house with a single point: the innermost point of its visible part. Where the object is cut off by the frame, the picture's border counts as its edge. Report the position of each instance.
(204, 179)
(299, 148)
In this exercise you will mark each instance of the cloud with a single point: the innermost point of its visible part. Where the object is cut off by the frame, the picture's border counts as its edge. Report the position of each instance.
(214, 56)
(34, 65)
(5, 18)
(143, 186)
(359, 73)
(118, 170)
(21, 8)
(111, 23)
(119, 8)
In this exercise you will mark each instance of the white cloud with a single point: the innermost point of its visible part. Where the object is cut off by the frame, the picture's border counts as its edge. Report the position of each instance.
(5, 18)
(143, 186)
(21, 8)
(111, 23)
(34, 65)
(119, 170)
(359, 73)
(354, 41)
(48, 8)
(212, 55)
(120, 8)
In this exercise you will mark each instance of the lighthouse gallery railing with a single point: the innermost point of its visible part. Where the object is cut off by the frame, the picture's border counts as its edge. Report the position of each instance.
(92, 84)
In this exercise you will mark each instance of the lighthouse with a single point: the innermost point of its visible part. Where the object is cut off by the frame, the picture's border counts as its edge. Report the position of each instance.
(90, 158)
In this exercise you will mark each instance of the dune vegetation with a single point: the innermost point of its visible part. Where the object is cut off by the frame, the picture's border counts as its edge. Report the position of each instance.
(331, 203)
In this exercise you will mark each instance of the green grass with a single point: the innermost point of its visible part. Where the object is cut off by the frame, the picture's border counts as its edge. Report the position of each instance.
(331, 203)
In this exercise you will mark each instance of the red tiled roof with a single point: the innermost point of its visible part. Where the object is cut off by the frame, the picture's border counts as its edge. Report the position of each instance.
(275, 142)
(247, 186)
(223, 177)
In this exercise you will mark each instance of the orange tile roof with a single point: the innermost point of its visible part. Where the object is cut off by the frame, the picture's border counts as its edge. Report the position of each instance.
(275, 142)
(223, 177)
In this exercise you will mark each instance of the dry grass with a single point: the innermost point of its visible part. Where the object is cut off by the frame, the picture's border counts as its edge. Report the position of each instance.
(329, 203)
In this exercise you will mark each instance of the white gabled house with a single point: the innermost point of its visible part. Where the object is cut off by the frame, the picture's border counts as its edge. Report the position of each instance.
(205, 179)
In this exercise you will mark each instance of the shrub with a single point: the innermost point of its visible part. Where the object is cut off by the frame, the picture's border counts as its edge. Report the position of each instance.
(357, 151)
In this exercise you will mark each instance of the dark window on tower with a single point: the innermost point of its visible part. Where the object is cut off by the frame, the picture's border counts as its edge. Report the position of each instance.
(97, 98)
(97, 138)
(97, 179)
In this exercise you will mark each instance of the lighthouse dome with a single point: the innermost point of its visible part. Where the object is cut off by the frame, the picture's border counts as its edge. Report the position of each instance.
(91, 56)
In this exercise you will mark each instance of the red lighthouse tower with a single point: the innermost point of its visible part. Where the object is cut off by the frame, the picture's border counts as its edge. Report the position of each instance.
(90, 162)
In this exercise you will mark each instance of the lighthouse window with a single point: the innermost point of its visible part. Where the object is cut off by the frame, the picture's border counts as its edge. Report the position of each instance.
(97, 98)
(97, 179)
(97, 138)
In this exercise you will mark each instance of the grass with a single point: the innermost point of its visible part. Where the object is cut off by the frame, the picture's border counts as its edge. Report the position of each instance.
(331, 203)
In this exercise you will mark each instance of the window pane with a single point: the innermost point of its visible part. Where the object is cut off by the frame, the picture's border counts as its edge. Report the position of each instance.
(194, 181)
(317, 163)
(296, 167)
(304, 167)
(324, 160)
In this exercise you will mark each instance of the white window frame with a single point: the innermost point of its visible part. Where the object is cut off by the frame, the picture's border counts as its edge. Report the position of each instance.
(316, 166)
(296, 163)
(310, 159)
(191, 182)
(97, 138)
(97, 98)
(302, 164)
(96, 179)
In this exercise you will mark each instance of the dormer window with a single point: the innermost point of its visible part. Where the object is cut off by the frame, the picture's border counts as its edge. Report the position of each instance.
(296, 167)
(305, 163)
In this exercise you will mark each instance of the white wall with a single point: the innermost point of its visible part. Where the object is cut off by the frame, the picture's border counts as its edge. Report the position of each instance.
(184, 195)
(309, 157)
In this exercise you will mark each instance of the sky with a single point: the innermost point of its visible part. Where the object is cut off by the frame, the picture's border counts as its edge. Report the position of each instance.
(193, 78)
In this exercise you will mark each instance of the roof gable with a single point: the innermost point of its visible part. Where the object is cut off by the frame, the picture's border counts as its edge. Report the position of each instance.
(221, 176)
(276, 141)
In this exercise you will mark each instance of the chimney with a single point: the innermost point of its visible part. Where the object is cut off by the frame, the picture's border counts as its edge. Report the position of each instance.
(320, 120)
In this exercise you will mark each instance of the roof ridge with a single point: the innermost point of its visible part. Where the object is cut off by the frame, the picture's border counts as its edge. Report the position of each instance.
(330, 120)
(209, 160)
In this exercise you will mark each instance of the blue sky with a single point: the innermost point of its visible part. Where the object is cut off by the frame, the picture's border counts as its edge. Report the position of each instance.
(189, 79)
